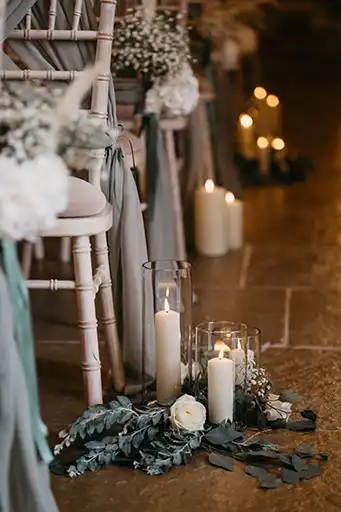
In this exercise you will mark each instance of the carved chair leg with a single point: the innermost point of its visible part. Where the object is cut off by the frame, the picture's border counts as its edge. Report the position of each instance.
(26, 260)
(108, 315)
(65, 250)
(91, 364)
(39, 249)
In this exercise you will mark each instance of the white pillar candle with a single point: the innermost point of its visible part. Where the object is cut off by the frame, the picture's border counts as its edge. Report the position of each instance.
(269, 119)
(274, 116)
(278, 145)
(238, 357)
(168, 354)
(210, 220)
(261, 125)
(246, 136)
(220, 388)
(264, 155)
(235, 221)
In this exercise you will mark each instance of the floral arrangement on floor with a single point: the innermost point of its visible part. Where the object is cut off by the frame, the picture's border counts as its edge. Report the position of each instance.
(232, 26)
(157, 48)
(42, 131)
(154, 438)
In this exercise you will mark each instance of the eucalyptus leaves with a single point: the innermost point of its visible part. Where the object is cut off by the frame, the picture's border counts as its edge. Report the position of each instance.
(139, 436)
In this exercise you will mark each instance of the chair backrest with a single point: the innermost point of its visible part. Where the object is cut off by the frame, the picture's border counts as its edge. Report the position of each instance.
(101, 36)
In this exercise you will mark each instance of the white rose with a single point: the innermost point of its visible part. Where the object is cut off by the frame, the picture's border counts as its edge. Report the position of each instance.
(277, 410)
(187, 415)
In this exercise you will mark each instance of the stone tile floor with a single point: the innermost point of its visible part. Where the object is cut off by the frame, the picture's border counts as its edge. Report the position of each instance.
(287, 281)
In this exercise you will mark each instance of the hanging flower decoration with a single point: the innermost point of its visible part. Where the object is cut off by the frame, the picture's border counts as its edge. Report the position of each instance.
(154, 47)
(41, 133)
(175, 95)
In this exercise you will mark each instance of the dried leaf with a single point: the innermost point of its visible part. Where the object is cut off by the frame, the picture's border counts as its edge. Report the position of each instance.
(271, 483)
(309, 414)
(298, 464)
(302, 426)
(312, 471)
(223, 435)
(290, 477)
(256, 471)
(304, 451)
(222, 461)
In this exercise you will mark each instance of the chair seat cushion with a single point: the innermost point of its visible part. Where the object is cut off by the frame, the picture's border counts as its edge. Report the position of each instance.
(84, 200)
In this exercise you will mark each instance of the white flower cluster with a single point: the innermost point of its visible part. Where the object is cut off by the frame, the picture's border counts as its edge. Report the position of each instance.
(33, 155)
(259, 383)
(27, 117)
(32, 194)
(176, 95)
(154, 47)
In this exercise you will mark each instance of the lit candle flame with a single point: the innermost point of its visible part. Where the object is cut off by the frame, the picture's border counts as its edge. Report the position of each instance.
(209, 186)
(167, 291)
(260, 93)
(221, 354)
(278, 144)
(229, 197)
(272, 101)
(166, 306)
(246, 121)
(262, 142)
(220, 346)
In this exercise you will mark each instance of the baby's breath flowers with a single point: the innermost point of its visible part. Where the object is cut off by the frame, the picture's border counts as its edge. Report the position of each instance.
(154, 47)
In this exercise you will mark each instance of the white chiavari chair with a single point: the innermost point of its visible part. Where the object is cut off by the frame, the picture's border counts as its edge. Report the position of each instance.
(88, 214)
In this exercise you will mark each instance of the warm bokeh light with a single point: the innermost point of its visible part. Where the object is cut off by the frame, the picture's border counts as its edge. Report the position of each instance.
(260, 93)
(220, 346)
(272, 101)
(246, 121)
(209, 186)
(262, 142)
(229, 197)
(278, 144)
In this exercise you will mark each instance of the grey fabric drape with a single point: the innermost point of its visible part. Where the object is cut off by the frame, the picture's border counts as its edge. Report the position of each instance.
(24, 480)
(15, 11)
(127, 238)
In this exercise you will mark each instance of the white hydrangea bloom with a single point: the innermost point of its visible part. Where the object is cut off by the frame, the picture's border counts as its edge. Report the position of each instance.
(176, 94)
(32, 194)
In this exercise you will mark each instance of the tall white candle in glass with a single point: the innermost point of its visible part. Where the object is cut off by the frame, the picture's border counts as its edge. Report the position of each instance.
(264, 155)
(246, 136)
(220, 376)
(210, 220)
(238, 357)
(234, 221)
(168, 354)
(260, 95)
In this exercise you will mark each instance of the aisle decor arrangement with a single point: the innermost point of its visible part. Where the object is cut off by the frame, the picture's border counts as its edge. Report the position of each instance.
(233, 26)
(154, 438)
(157, 50)
(43, 131)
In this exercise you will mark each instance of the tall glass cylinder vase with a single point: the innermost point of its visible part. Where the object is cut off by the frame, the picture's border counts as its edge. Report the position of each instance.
(168, 321)
(220, 351)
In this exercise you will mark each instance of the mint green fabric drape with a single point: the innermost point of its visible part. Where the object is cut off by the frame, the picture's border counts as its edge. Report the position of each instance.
(23, 335)
(24, 480)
